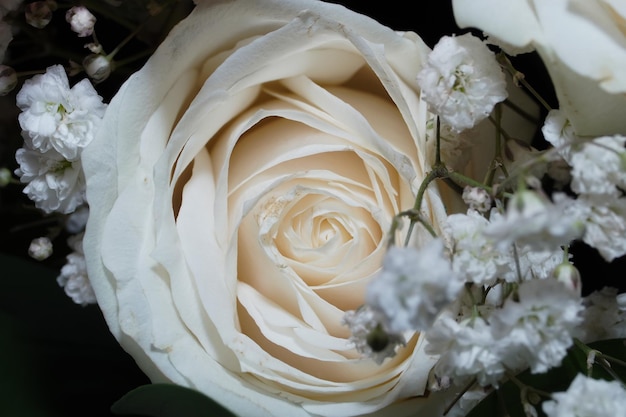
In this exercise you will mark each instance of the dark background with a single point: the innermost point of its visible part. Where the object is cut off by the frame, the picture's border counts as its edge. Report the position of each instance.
(58, 358)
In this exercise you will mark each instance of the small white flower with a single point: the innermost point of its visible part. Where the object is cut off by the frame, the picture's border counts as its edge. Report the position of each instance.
(462, 81)
(474, 255)
(533, 264)
(477, 199)
(588, 397)
(73, 277)
(605, 225)
(56, 117)
(413, 286)
(537, 330)
(369, 336)
(604, 316)
(77, 220)
(532, 219)
(40, 248)
(54, 184)
(559, 132)
(598, 167)
(81, 20)
(467, 350)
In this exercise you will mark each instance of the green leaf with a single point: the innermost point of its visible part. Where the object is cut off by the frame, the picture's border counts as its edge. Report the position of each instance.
(168, 400)
(506, 401)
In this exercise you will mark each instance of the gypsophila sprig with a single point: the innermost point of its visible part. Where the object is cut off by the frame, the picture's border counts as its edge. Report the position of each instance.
(588, 397)
(462, 81)
(370, 336)
(501, 187)
(73, 278)
(413, 286)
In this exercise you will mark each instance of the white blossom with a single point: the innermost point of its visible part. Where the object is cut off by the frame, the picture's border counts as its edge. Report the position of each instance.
(467, 350)
(477, 199)
(474, 256)
(53, 183)
(81, 20)
(56, 117)
(532, 219)
(477, 258)
(73, 277)
(535, 264)
(369, 336)
(537, 329)
(559, 132)
(588, 397)
(77, 220)
(413, 286)
(598, 167)
(40, 248)
(604, 316)
(605, 225)
(462, 81)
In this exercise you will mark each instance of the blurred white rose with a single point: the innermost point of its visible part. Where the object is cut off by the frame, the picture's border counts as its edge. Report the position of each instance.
(581, 42)
(240, 192)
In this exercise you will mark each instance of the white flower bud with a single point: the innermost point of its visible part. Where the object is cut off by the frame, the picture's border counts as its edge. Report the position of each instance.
(81, 20)
(97, 67)
(5, 176)
(40, 248)
(568, 275)
(38, 14)
(8, 80)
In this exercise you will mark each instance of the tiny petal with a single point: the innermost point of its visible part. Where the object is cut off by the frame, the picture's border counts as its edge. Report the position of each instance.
(40, 248)
(462, 81)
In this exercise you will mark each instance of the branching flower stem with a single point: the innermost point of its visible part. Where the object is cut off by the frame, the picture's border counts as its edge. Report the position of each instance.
(519, 77)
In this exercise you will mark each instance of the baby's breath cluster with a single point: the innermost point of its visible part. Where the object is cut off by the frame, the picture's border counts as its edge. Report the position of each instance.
(497, 291)
(59, 117)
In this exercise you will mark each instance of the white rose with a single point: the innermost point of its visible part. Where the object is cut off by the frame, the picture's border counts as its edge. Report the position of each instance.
(240, 192)
(581, 43)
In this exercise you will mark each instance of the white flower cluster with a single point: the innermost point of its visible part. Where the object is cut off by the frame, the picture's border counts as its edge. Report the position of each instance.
(598, 177)
(57, 123)
(413, 287)
(73, 277)
(588, 397)
(497, 292)
(462, 81)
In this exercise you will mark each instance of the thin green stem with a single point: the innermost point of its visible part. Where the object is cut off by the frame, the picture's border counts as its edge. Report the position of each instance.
(521, 385)
(458, 396)
(506, 63)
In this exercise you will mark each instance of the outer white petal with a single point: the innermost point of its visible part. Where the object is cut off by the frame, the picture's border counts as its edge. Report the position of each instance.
(582, 43)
